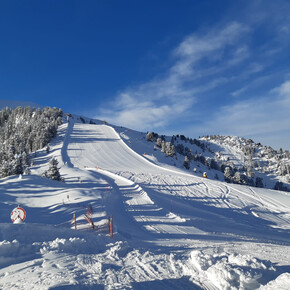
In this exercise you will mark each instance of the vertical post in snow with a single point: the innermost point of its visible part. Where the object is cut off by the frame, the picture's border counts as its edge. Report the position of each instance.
(75, 221)
(111, 226)
(171, 205)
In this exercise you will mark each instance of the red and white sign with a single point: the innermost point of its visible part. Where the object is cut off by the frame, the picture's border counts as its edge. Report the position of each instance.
(18, 214)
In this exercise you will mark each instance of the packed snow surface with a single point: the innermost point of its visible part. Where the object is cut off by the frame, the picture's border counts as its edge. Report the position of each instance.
(171, 229)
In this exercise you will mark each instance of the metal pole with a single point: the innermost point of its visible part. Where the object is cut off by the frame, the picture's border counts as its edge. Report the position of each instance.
(75, 221)
(111, 227)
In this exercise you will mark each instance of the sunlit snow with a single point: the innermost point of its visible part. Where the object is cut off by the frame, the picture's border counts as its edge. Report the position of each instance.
(171, 229)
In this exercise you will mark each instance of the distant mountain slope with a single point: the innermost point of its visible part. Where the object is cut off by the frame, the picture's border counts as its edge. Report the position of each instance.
(226, 158)
(253, 158)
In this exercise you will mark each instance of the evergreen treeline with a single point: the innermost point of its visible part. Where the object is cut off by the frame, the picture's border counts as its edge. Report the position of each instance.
(22, 131)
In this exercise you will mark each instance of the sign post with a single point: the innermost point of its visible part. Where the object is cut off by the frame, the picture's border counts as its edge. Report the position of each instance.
(18, 215)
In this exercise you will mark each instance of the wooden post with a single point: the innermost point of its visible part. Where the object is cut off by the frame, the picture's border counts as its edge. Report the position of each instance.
(171, 205)
(75, 221)
(111, 226)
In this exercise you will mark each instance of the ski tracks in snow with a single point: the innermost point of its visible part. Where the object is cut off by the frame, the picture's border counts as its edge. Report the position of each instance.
(172, 230)
(148, 192)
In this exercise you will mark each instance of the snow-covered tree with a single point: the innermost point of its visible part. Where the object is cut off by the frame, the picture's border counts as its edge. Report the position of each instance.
(150, 137)
(26, 171)
(53, 170)
(159, 142)
(240, 178)
(228, 174)
(168, 148)
(250, 172)
(23, 131)
(17, 167)
(186, 163)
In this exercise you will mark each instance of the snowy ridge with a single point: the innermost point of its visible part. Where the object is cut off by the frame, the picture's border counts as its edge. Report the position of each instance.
(172, 229)
(226, 158)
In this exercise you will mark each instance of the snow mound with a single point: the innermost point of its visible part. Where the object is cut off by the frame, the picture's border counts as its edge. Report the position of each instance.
(13, 252)
(71, 245)
(176, 218)
(231, 271)
(282, 282)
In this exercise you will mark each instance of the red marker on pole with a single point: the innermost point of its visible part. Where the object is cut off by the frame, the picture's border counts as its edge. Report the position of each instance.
(111, 227)
(75, 221)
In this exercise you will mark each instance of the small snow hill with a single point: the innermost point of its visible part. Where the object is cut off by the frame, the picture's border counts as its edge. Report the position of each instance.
(171, 229)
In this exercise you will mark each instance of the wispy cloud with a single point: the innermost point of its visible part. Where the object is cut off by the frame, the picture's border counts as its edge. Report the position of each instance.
(230, 77)
(262, 117)
(171, 96)
(141, 114)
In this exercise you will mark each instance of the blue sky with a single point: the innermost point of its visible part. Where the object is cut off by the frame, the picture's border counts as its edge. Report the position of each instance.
(174, 67)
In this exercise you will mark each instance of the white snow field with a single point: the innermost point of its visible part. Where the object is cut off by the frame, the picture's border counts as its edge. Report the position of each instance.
(171, 229)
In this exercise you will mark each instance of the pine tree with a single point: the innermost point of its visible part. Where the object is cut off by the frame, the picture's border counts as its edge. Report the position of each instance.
(53, 170)
(259, 182)
(17, 167)
(5, 169)
(27, 171)
(250, 172)
(240, 178)
(159, 142)
(150, 136)
(186, 163)
(228, 174)
(23, 131)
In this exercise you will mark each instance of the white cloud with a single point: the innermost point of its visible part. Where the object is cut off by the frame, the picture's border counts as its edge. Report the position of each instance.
(260, 117)
(171, 96)
(284, 90)
(142, 114)
(206, 67)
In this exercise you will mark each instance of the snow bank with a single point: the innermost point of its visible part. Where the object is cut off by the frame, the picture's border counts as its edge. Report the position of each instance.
(282, 282)
(19, 243)
(71, 245)
(231, 271)
(13, 252)
(175, 217)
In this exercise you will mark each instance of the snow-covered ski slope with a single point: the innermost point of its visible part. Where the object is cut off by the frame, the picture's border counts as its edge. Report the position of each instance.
(172, 230)
(108, 154)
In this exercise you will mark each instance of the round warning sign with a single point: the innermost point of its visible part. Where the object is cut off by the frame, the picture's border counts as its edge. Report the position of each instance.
(18, 214)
